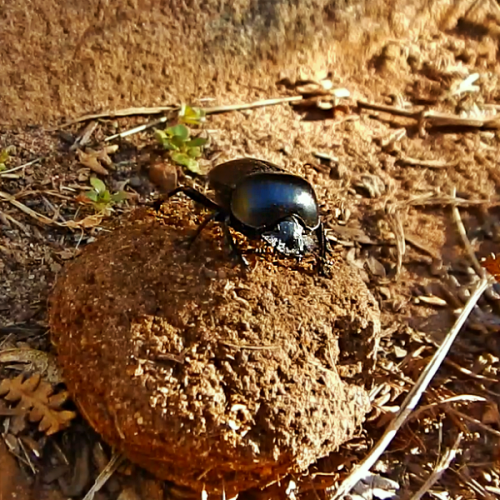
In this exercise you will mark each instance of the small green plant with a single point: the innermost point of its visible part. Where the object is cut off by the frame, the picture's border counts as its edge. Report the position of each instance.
(4, 156)
(191, 116)
(100, 196)
(183, 150)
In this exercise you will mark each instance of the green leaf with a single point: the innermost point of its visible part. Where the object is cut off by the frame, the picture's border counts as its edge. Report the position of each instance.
(4, 156)
(196, 142)
(92, 196)
(192, 116)
(98, 185)
(194, 152)
(178, 142)
(105, 197)
(169, 145)
(179, 130)
(2, 167)
(160, 135)
(184, 160)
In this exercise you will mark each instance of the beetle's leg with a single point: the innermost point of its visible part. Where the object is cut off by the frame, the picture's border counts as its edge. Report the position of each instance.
(320, 234)
(322, 243)
(201, 227)
(235, 251)
(190, 193)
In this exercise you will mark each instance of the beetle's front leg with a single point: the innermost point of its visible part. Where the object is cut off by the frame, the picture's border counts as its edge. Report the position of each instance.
(190, 193)
(235, 250)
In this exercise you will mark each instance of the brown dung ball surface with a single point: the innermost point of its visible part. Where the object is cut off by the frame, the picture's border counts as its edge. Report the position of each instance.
(205, 374)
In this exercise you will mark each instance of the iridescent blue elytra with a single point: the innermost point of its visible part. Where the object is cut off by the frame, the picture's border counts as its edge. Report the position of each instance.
(266, 198)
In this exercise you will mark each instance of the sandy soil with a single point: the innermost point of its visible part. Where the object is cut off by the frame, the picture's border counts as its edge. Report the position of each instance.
(388, 175)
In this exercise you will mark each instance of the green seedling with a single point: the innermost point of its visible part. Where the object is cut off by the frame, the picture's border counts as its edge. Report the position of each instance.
(100, 196)
(191, 116)
(4, 156)
(183, 150)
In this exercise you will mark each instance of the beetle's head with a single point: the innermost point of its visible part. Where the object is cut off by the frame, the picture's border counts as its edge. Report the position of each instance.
(290, 238)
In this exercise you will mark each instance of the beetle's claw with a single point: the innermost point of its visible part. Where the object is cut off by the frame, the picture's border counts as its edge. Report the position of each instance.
(239, 257)
(157, 204)
(323, 268)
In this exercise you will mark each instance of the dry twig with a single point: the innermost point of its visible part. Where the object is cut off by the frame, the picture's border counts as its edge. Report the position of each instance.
(121, 113)
(209, 111)
(107, 472)
(39, 217)
(415, 162)
(441, 466)
(481, 272)
(413, 397)
(435, 118)
(394, 219)
(24, 165)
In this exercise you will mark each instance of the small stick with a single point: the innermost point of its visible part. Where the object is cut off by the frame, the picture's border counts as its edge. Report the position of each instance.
(420, 246)
(435, 118)
(136, 130)
(39, 217)
(209, 111)
(465, 240)
(107, 472)
(441, 466)
(412, 398)
(435, 199)
(32, 162)
(474, 421)
(394, 219)
(414, 162)
(471, 398)
(16, 222)
(121, 113)
(257, 104)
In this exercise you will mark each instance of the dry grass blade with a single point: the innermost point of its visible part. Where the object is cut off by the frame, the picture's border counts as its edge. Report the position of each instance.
(257, 104)
(36, 400)
(20, 225)
(441, 466)
(475, 486)
(435, 118)
(474, 421)
(465, 240)
(136, 130)
(470, 373)
(412, 398)
(107, 472)
(209, 111)
(414, 162)
(118, 114)
(394, 219)
(24, 165)
(439, 199)
(454, 399)
(85, 223)
(39, 217)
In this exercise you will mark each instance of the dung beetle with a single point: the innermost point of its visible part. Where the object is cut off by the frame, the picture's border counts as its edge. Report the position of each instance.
(261, 200)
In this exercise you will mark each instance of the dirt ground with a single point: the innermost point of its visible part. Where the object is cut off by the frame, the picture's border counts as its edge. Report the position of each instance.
(381, 174)
(59, 61)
